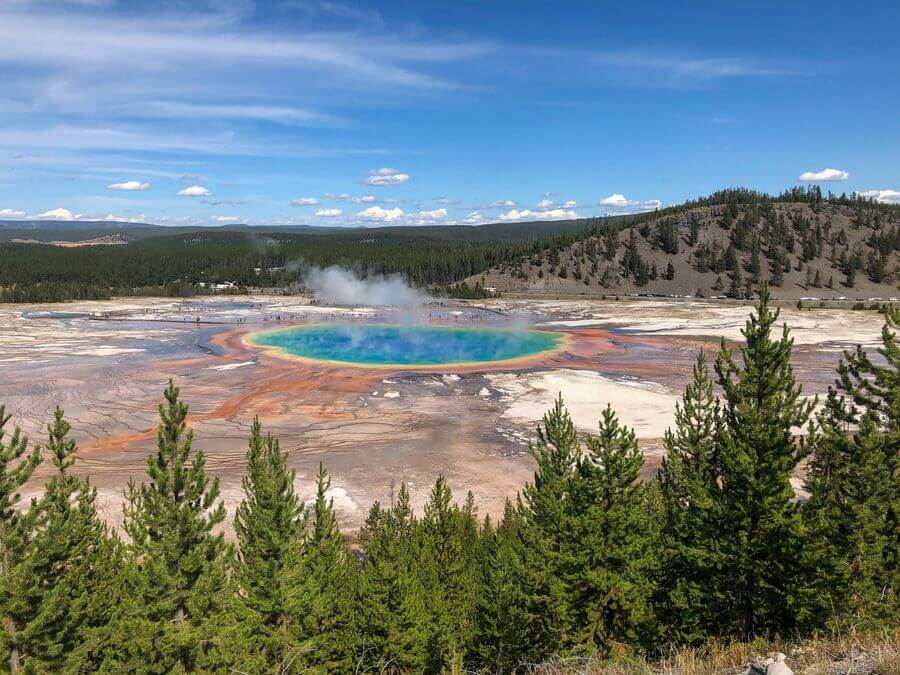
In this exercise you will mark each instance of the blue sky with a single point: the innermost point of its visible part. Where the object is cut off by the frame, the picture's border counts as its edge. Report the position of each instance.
(340, 113)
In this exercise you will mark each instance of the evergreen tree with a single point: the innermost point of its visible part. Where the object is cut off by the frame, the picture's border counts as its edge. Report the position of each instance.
(269, 523)
(72, 562)
(321, 585)
(688, 483)
(758, 520)
(393, 618)
(16, 466)
(548, 533)
(853, 513)
(449, 547)
(734, 289)
(180, 590)
(613, 553)
(502, 604)
(670, 271)
(755, 266)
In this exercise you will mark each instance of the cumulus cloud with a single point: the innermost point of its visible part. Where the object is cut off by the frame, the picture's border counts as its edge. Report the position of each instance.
(615, 199)
(619, 201)
(823, 175)
(386, 176)
(434, 216)
(304, 201)
(527, 214)
(473, 218)
(378, 214)
(502, 204)
(195, 191)
(226, 219)
(129, 186)
(882, 196)
(59, 214)
(547, 204)
(11, 213)
(329, 213)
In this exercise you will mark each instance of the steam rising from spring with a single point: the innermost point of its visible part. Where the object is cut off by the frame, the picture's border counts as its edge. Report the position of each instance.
(338, 285)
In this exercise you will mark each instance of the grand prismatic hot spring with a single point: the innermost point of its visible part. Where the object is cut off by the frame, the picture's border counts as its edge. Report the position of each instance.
(390, 345)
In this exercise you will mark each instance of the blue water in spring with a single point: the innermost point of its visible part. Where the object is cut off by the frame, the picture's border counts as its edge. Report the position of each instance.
(375, 344)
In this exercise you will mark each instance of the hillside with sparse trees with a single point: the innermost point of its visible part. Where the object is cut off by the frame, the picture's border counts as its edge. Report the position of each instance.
(803, 244)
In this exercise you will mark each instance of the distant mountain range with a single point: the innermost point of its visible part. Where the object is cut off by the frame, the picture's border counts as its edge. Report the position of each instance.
(75, 230)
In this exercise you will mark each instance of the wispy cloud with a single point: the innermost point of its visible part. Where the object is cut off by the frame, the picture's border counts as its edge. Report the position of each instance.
(269, 113)
(304, 201)
(223, 202)
(348, 198)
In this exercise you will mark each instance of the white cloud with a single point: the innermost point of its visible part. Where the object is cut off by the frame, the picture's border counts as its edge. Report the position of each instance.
(329, 213)
(226, 219)
(431, 216)
(386, 176)
(112, 218)
(502, 204)
(619, 201)
(269, 113)
(194, 191)
(526, 214)
(129, 186)
(547, 204)
(11, 213)
(616, 199)
(344, 197)
(223, 202)
(823, 175)
(376, 213)
(882, 196)
(473, 218)
(59, 214)
(304, 201)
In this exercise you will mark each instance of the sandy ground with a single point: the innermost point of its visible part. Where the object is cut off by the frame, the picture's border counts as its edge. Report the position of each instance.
(372, 428)
(648, 407)
(699, 318)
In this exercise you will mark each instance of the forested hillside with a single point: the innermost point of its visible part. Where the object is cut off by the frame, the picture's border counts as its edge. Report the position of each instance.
(802, 243)
(587, 562)
(177, 263)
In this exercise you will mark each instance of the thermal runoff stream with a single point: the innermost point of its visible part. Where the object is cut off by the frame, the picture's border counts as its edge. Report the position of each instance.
(390, 345)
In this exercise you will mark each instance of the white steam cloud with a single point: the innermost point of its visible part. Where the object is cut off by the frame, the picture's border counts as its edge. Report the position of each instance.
(341, 286)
